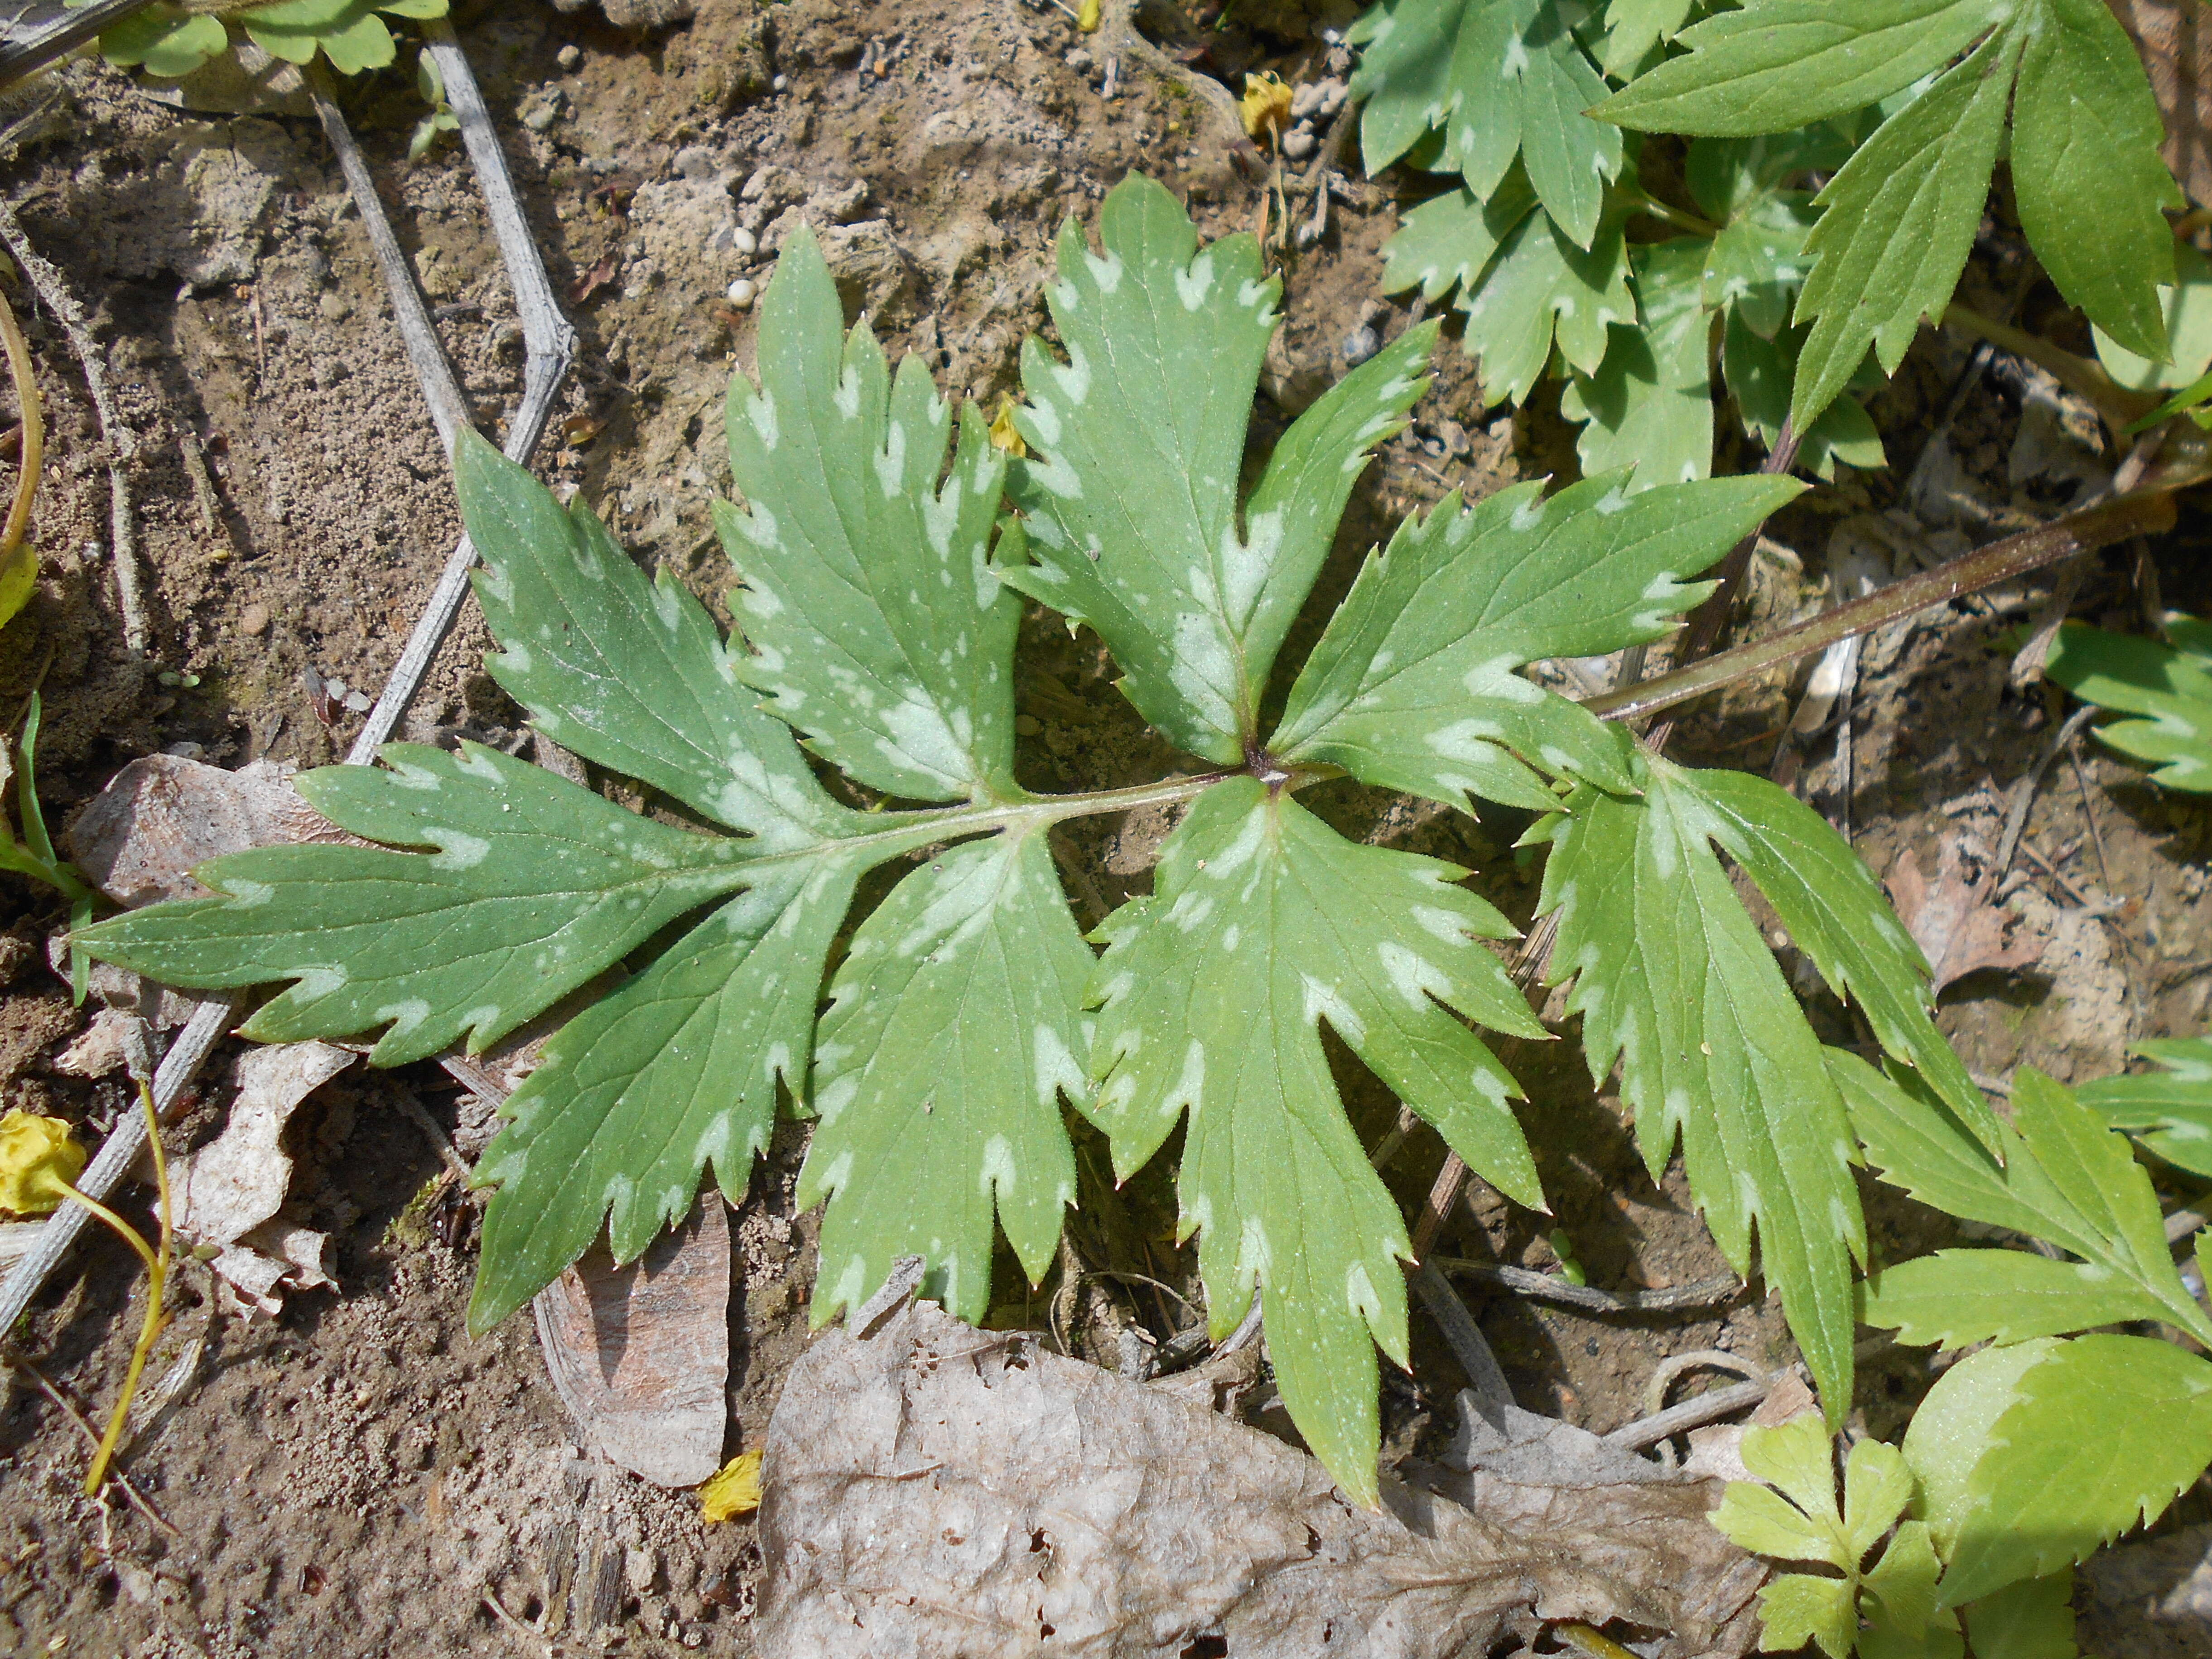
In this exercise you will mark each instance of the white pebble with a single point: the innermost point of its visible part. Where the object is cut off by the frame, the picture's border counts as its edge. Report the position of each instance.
(568, 57)
(1298, 143)
(741, 293)
(745, 241)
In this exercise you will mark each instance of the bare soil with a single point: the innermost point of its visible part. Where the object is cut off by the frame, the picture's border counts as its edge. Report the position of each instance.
(357, 1475)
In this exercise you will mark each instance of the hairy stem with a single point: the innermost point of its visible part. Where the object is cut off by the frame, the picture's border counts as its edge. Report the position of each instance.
(2147, 512)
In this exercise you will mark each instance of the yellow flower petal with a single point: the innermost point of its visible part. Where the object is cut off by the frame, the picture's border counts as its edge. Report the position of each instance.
(1266, 106)
(734, 1492)
(1086, 16)
(1003, 433)
(38, 1160)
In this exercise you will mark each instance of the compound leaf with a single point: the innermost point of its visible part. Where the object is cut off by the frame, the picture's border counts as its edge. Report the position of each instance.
(1898, 1601)
(2065, 1179)
(2171, 688)
(2102, 1432)
(629, 673)
(1955, 1298)
(954, 1023)
(1450, 241)
(673, 1070)
(1541, 287)
(876, 625)
(1796, 1608)
(1774, 64)
(1503, 79)
(1633, 27)
(1672, 979)
(1899, 219)
(1263, 923)
(1950, 1429)
(1650, 405)
(537, 885)
(1132, 511)
(1759, 375)
(2174, 1104)
(2085, 133)
(1413, 684)
(1837, 914)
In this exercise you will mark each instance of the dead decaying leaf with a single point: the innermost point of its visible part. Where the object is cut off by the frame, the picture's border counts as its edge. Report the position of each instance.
(139, 838)
(1955, 920)
(934, 1490)
(640, 1354)
(2174, 39)
(227, 1193)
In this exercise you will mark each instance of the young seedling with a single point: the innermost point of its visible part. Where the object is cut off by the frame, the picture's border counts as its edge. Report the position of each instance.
(881, 591)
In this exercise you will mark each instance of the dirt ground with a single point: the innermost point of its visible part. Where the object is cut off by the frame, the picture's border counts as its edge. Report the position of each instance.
(356, 1475)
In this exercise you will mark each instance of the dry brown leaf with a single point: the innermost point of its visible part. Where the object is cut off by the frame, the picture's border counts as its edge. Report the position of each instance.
(640, 1354)
(158, 817)
(2174, 38)
(1955, 921)
(934, 1490)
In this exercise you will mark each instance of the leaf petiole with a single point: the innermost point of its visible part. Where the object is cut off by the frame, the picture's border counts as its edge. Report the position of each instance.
(156, 1258)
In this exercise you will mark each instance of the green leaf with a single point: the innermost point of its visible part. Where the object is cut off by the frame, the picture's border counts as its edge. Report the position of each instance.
(1956, 1298)
(1263, 923)
(1503, 78)
(164, 42)
(954, 1023)
(1413, 684)
(1759, 375)
(1634, 28)
(1837, 914)
(1898, 1601)
(2086, 171)
(2065, 1179)
(2102, 1434)
(1131, 513)
(675, 1069)
(2174, 1104)
(1899, 219)
(1951, 1430)
(1877, 1485)
(1541, 285)
(876, 625)
(629, 673)
(1650, 405)
(349, 32)
(1450, 241)
(1672, 979)
(536, 886)
(2173, 689)
(2031, 1619)
(1780, 63)
(2185, 312)
(1796, 1609)
(1766, 1522)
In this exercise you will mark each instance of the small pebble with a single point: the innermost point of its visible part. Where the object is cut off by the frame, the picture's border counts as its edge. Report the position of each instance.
(254, 619)
(744, 241)
(781, 82)
(335, 688)
(1078, 59)
(356, 702)
(1361, 344)
(741, 293)
(1298, 143)
(568, 58)
(1303, 99)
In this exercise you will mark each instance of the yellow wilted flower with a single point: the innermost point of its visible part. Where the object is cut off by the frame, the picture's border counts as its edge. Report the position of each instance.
(38, 1162)
(1086, 16)
(1003, 433)
(1266, 106)
(734, 1492)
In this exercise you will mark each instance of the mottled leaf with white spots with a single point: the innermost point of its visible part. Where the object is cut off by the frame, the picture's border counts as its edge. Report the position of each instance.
(1265, 922)
(629, 673)
(876, 627)
(1542, 287)
(1131, 492)
(1650, 406)
(1414, 685)
(955, 1025)
(675, 1069)
(1674, 981)
(536, 887)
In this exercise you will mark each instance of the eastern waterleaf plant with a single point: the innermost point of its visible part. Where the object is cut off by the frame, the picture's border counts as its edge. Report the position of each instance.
(881, 589)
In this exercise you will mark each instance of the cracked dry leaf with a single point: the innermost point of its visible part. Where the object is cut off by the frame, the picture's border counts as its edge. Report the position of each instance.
(161, 815)
(935, 1490)
(640, 1354)
(1955, 921)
